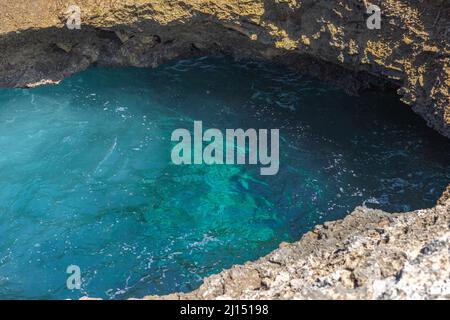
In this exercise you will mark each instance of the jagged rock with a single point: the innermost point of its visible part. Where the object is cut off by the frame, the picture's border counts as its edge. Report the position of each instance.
(351, 259)
(445, 196)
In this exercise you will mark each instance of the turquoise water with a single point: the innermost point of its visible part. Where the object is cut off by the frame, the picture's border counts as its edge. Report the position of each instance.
(86, 175)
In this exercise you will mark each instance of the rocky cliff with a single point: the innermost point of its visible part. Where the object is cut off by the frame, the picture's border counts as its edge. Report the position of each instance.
(410, 52)
(368, 255)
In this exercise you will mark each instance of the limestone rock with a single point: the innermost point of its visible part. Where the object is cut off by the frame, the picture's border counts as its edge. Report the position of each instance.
(329, 39)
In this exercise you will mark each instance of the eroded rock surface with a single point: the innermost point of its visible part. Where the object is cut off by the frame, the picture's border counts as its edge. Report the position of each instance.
(326, 38)
(370, 254)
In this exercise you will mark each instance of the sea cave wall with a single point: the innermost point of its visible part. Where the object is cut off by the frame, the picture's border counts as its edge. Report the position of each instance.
(330, 39)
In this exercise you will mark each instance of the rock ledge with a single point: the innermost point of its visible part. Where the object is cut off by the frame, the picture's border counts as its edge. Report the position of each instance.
(329, 39)
(370, 254)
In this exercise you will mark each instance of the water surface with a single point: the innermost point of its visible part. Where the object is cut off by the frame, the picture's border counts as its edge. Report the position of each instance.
(86, 175)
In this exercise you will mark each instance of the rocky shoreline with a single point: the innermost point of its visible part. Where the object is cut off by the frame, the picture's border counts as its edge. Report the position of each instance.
(369, 254)
(329, 39)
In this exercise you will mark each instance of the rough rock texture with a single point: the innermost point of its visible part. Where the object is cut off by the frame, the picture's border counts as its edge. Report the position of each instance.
(410, 52)
(368, 255)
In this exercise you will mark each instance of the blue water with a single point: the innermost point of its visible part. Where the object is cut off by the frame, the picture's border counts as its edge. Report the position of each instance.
(86, 175)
